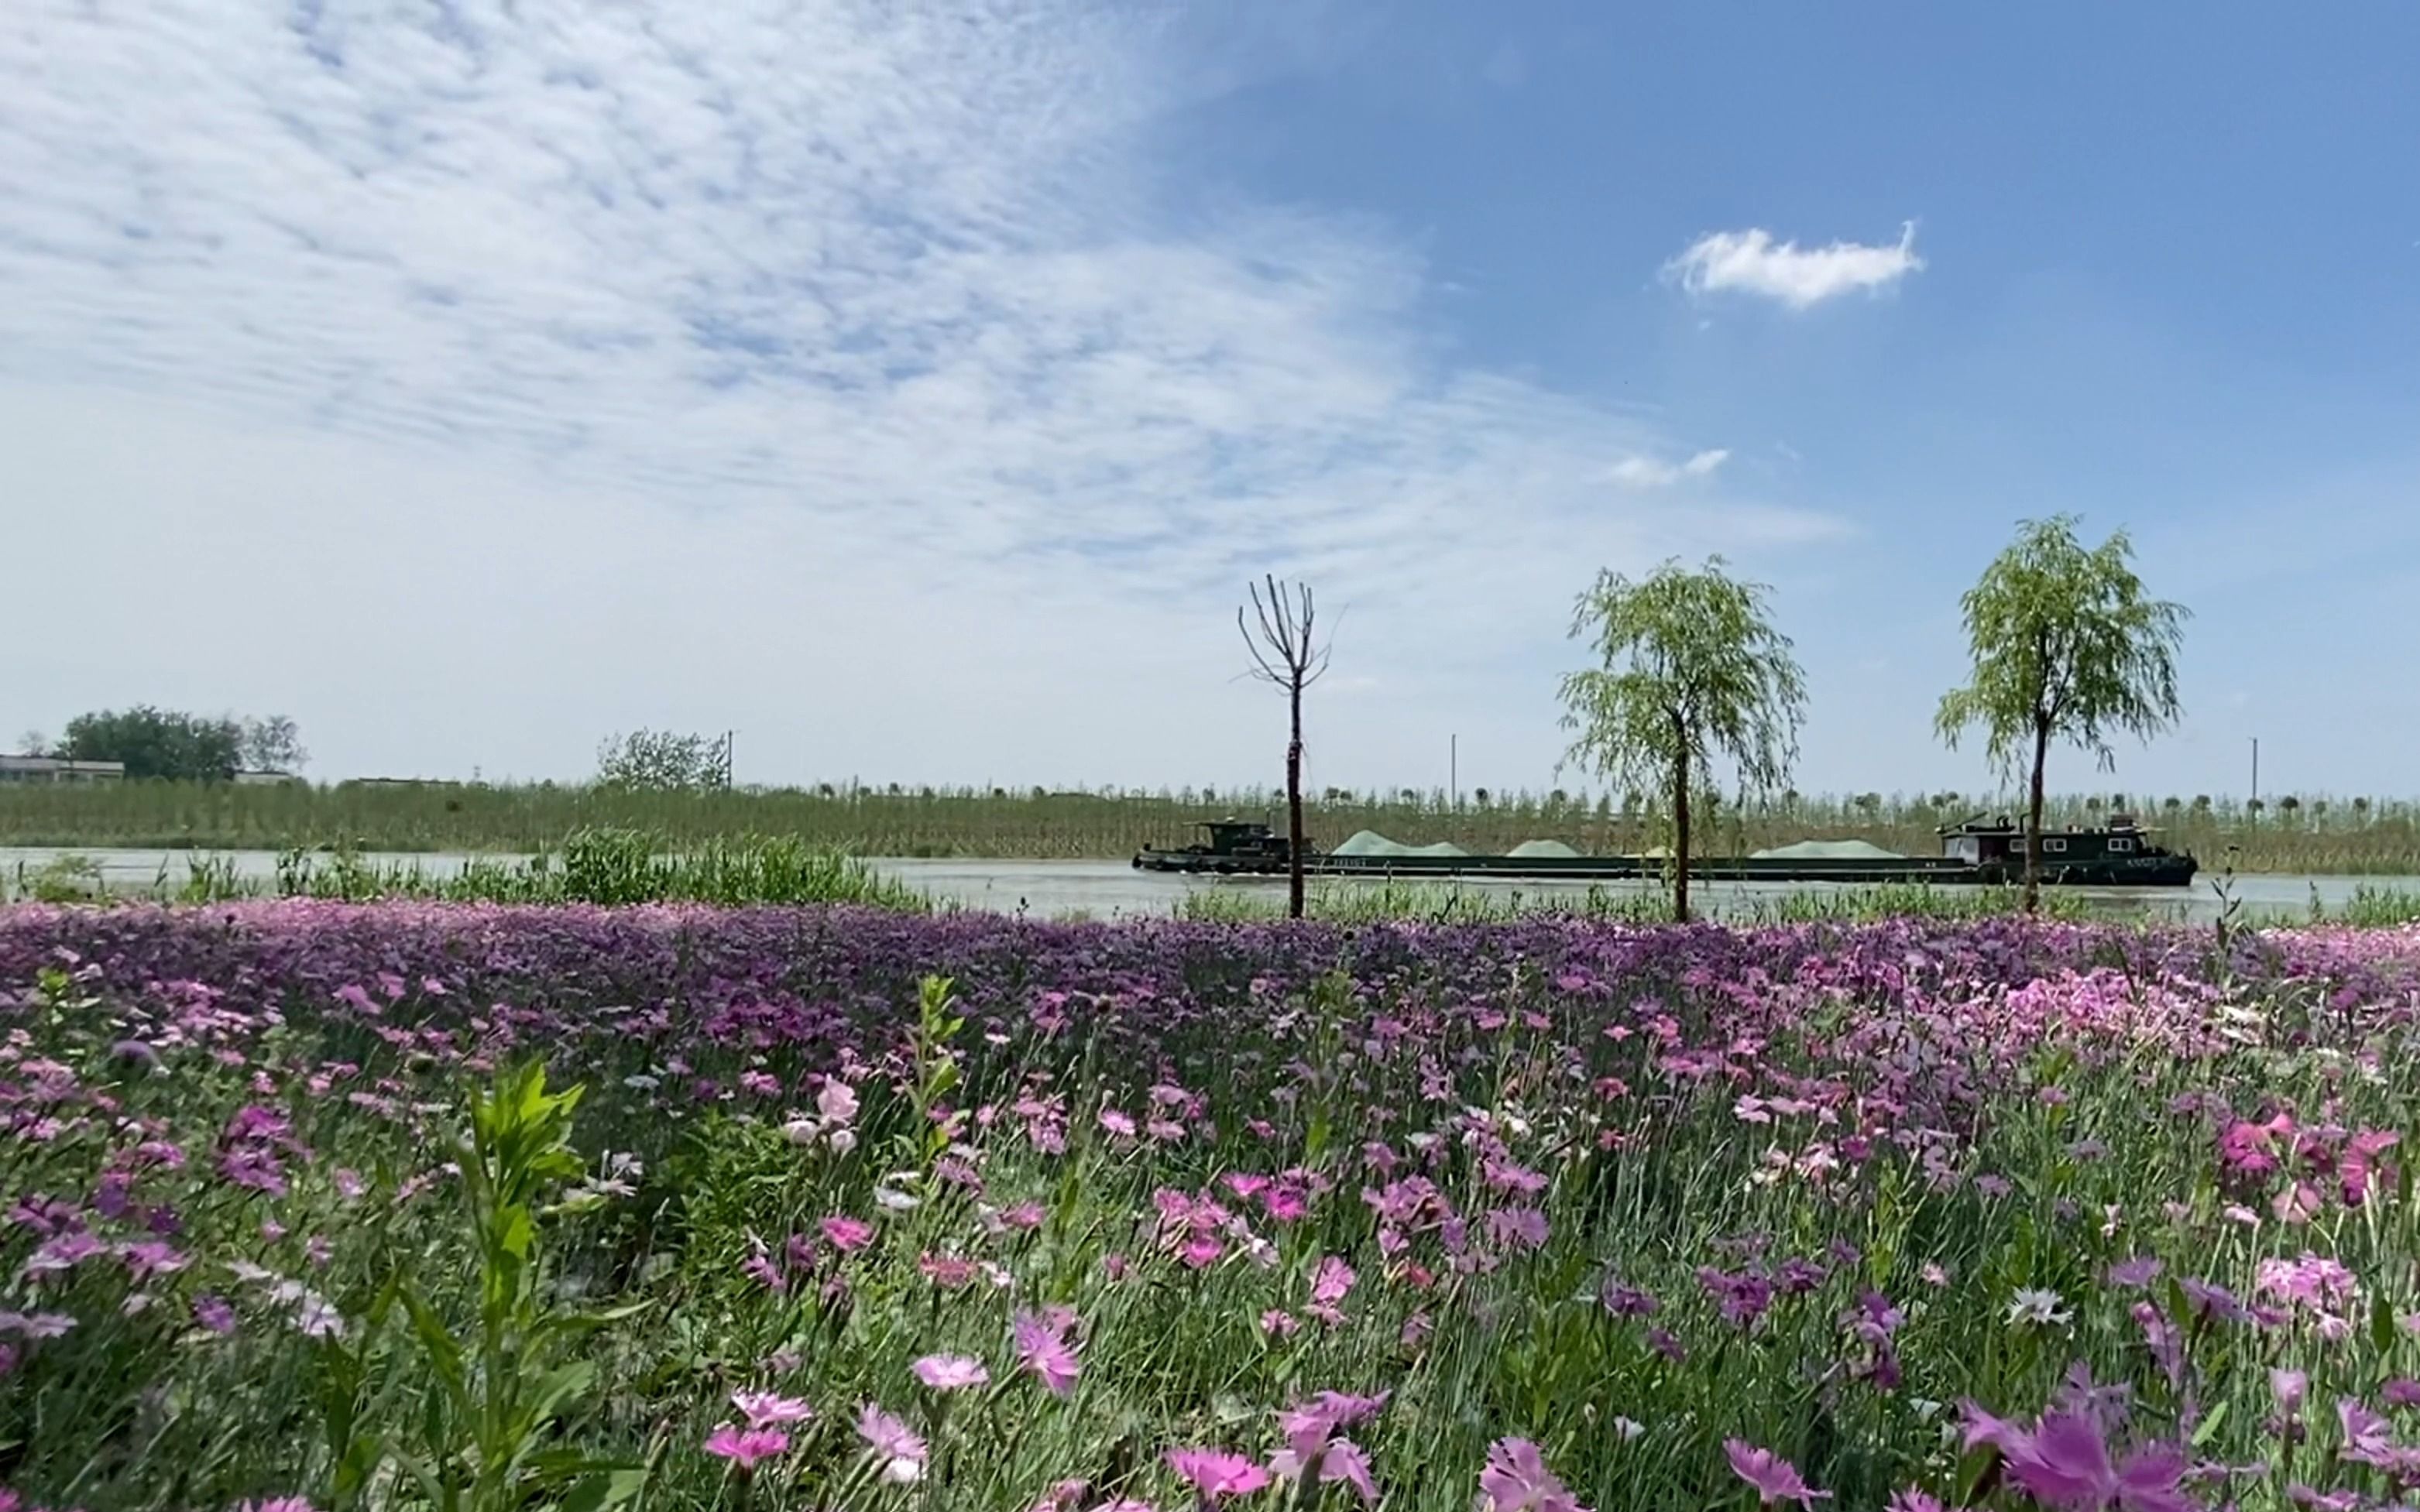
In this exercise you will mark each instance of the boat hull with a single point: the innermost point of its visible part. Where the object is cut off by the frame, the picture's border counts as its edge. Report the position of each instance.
(1940, 871)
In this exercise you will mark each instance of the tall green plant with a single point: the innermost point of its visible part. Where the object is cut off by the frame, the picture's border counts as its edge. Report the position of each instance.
(2066, 644)
(1693, 671)
(484, 1439)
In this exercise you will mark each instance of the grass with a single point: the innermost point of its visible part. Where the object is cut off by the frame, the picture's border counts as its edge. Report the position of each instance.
(408, 1206)
(2329, 836)
(594, 866)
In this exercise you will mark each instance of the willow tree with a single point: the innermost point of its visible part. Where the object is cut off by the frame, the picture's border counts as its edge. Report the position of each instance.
(1692, 673)
(1284, 655)
(2066, 645)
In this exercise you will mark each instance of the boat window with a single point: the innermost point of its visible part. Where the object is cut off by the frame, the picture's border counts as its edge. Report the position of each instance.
(2052, 842)
(2121, 846)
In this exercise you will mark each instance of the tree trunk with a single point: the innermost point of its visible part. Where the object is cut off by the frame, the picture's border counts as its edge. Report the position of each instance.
(1294, 809)
(2033, 819)
(1681, 829)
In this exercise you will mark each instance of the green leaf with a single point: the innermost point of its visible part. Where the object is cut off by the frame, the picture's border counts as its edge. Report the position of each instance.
(442, 1352)
(557, 1386)
(2383, 1331)
(2209, 1425)
(607, 1488)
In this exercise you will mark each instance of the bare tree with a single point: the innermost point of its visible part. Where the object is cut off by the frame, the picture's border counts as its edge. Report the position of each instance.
(1278, 633)
(274, 745)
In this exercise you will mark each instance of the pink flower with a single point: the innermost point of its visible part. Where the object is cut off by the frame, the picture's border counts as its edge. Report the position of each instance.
(1516, 1479)
(847, 1234)
(1117, 1123)
(2248, 1148)
(1216, 1474)
(744, 1447)
(1332, 1281)
(837, 1101)
(1336, 1458)
(948, 1271)
(765, 1409)
(950, 1372)
(1279, 1323)
(888, 1437)
(2360, 1164)
(1042, 1347)
(1775, 1479)
(2289, 1387)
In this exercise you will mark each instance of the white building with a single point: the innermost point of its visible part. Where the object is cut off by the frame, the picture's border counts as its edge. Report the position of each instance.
(58, 769)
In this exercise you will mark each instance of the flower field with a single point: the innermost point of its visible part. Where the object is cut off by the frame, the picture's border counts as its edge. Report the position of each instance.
(477, 1207)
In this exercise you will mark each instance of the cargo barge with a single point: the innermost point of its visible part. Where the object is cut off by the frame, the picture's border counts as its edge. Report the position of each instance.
(1976, 853)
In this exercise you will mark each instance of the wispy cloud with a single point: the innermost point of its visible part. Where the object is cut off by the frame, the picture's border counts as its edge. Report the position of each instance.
(1651, 472)
(1752, 262)
(901, 274)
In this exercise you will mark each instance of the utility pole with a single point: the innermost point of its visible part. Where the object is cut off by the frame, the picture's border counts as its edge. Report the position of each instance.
(1453, 770)
(2254, 810)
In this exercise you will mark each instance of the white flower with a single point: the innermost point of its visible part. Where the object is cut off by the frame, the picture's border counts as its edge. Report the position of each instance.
(1628, 1429)
(801, 1131)
(642, 1082)
(2038, 1307)
(896, 1202)
(842, 1140)
(903, 1472)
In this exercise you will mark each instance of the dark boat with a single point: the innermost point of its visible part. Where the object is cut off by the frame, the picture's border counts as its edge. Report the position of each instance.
(1975, 852)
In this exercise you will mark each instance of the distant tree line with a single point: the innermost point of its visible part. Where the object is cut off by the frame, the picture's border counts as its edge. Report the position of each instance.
(169, 744)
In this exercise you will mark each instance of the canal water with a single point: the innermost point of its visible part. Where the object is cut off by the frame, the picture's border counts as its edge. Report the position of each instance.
(1107, 889)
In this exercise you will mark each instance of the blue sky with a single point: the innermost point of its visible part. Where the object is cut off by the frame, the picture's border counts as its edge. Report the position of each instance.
(914, 387)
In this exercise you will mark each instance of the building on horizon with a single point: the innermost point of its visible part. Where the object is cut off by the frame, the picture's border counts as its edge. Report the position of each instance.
(58, 769)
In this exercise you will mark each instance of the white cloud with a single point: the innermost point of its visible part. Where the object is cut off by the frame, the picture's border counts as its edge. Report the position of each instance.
(867, 301)
(1651, 472)
(1751, 262)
